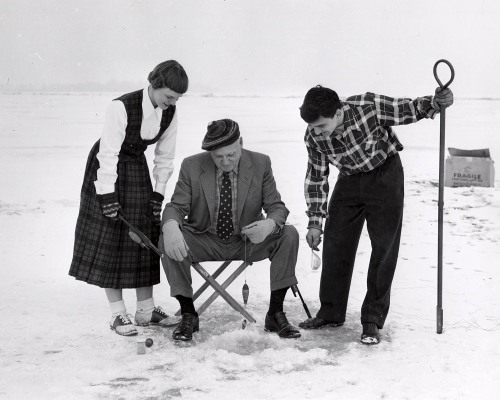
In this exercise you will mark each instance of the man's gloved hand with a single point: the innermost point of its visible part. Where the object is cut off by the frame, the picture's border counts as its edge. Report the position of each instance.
(313, 238)
(173, 240)
(155, 204)
(110, 205)
(259, 230)
(442, 98)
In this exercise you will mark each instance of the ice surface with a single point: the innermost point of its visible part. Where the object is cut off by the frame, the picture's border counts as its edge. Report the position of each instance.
(55, 339)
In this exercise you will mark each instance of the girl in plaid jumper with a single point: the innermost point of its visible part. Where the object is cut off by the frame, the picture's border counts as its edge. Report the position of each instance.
(117, 180)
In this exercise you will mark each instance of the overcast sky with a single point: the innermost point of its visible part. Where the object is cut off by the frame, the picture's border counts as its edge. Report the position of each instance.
(254, 46)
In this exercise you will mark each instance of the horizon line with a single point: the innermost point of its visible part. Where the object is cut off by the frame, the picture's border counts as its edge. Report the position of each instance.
(191, 94)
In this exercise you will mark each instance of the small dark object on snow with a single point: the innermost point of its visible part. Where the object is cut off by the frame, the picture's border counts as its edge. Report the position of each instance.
(149, 342)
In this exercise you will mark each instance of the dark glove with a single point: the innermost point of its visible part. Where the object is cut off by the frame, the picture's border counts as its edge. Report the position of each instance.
(110, 205)
(155, 203)
(313, 237)
(442, 98)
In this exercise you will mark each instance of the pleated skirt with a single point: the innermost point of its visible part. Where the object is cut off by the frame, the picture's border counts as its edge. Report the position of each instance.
(104, 254)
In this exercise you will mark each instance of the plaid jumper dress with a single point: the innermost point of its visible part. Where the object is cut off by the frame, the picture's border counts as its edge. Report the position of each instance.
(104, 255)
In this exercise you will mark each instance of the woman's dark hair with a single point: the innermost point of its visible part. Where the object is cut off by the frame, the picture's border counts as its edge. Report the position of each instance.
(319, 102)
(169, 74)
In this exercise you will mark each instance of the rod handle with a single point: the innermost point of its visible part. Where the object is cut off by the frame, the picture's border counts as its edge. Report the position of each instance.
(436, 75)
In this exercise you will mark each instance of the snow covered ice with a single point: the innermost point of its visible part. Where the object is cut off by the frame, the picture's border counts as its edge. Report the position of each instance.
(55, 339)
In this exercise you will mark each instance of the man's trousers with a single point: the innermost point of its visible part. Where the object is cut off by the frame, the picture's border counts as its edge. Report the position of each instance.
(377, 197)
(281, 249)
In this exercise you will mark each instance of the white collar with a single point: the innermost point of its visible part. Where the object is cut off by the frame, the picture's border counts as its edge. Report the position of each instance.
(147, 106)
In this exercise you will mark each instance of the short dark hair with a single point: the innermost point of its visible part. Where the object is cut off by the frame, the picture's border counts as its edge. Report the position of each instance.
(169, 74)
(319, 102)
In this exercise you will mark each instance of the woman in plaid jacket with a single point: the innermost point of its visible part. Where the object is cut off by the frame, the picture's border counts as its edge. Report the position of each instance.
(117, 180)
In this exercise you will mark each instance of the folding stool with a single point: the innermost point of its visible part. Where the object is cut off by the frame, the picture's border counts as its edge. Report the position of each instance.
(220, 289)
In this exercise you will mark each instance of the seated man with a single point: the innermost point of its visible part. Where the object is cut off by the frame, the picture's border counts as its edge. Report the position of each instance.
(217, 207)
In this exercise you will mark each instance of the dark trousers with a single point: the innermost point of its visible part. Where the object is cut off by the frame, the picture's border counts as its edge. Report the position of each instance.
(281, 249)
(376, 197)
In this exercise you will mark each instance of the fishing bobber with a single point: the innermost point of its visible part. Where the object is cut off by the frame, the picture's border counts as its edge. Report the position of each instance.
(245, 291)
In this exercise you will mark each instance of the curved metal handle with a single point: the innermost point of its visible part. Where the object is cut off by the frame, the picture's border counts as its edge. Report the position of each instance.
(451, 69)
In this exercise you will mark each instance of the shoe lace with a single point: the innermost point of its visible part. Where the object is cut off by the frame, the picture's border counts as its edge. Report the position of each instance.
(125, 319)
(160, 311)
(186, 323)
(281, 319)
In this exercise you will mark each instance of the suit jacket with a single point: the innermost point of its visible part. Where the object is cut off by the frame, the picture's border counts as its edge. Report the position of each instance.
(194, 202)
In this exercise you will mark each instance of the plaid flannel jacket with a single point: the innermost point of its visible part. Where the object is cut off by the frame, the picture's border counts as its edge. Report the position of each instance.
(366, 142)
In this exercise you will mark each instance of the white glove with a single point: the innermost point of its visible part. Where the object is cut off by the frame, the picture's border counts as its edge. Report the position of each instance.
(259, 230)
(173, 240)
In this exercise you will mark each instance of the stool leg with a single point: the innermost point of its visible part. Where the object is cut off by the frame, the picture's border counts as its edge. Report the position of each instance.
(219, 271)
(224, 285)
(220, 290)
(202, 288)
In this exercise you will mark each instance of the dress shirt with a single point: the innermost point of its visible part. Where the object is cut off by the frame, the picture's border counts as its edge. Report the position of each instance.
(113, 135)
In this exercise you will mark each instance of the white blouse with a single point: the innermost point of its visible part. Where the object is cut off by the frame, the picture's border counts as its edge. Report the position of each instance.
(113, 135)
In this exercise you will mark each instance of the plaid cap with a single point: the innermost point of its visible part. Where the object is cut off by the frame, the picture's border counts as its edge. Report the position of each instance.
(220, 133)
